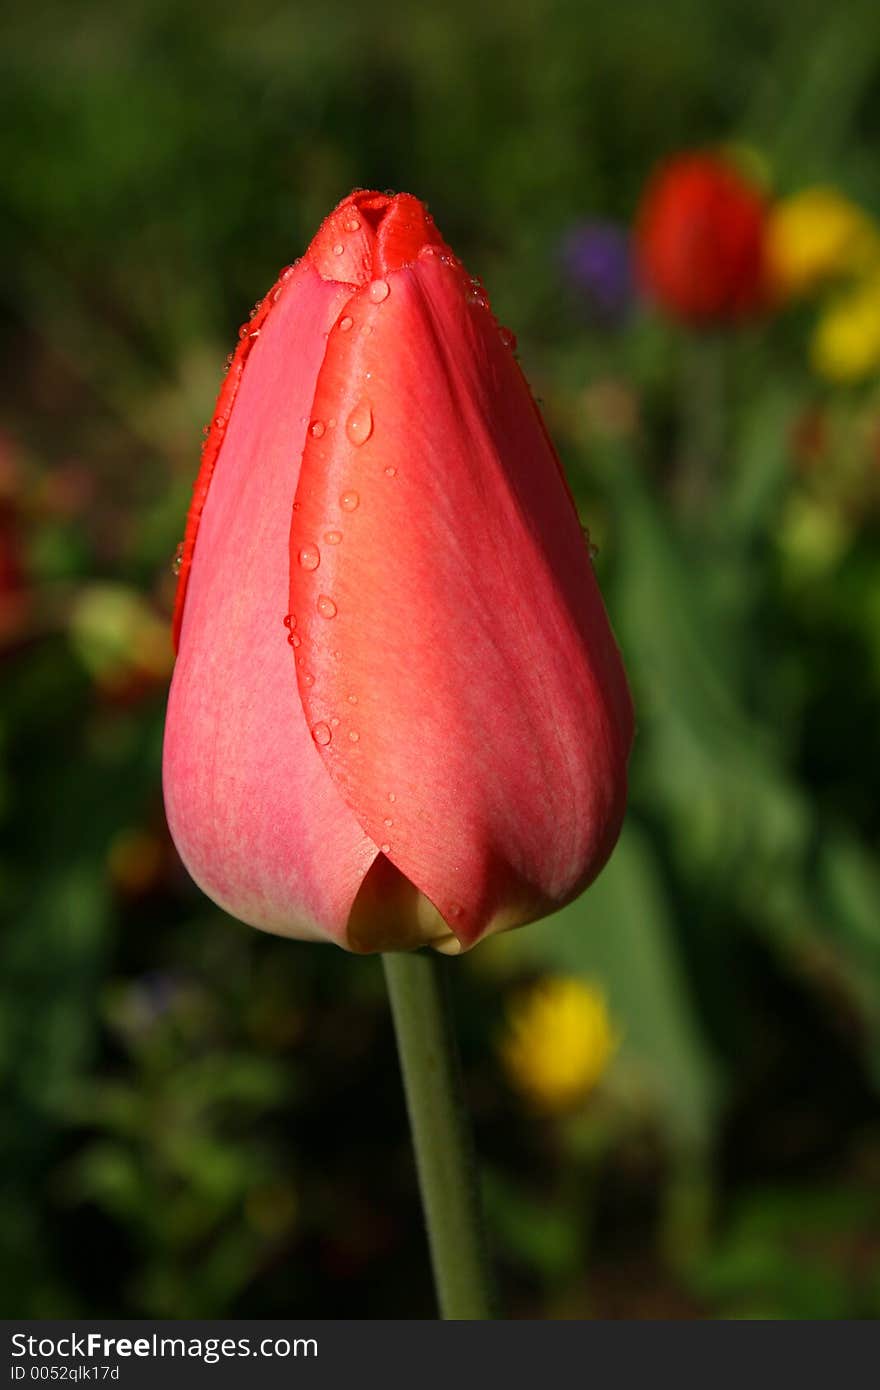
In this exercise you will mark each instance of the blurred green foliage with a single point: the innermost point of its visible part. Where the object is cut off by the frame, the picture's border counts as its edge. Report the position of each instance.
(200, 1120)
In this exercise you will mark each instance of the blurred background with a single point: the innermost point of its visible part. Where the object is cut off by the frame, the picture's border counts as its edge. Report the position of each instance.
(675, 1082)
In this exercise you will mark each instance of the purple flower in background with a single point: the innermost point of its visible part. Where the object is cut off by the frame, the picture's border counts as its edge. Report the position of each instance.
(597, 259)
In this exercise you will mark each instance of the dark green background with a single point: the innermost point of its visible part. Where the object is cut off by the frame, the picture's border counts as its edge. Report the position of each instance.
(203, 1121)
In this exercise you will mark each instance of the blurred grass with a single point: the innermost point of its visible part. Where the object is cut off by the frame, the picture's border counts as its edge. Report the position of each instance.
(200, 1120)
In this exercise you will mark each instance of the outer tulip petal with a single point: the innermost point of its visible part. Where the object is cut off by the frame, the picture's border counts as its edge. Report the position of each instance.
(456, 666)
(258, 823)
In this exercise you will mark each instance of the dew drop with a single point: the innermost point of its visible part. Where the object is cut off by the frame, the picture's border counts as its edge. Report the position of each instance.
(366, 330)
(290, 620)
(508, 338)
(359, 425)
(326, 606)
(352, 225)
(352, 699)
(391, 796)
(332, 537)
(177, 562)
(455, 910)
(294, 639)
(338, 249)
(391, 472)
(592, 548)
(354, 736)
(310, 557)
(307, 678)
(388, 822)
(345, 323)
(378, 291)
(349, 501)
(316, 429)
(321, 734)
(386, 848)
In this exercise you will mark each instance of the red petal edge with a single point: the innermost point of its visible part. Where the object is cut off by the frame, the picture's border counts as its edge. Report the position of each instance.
(248, 334)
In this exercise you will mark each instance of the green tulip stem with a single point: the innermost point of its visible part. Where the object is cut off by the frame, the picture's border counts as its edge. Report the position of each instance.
(418, 988)
(703, 412)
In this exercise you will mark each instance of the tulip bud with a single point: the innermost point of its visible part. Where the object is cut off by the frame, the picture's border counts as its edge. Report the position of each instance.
(700, 241)
(398, 713)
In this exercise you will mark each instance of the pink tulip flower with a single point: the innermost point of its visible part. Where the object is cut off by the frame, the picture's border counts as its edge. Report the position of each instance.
(398, 714)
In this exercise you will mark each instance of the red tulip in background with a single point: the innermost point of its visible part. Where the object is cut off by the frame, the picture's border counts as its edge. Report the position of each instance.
(700, 241)
(432, 743)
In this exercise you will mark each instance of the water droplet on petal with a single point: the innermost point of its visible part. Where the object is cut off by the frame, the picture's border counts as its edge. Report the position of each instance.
(290, 620)
(455, 910)
(352, 225)
(354, 735)
(310, 557)
(326, 606)
(388, 822)
(308, 678)
(294, 639)
(349, 501)
(332, 537)
(366, 330)
(508, 338)
(345, 323)
(316, 429)
(359, 425)
(338, 249)
(321, 734)
(391, 472)
(386, 848)
(352, 699)
(391, 796)
(592, 548)
(378, 291)
(334, 722)
(177, 562)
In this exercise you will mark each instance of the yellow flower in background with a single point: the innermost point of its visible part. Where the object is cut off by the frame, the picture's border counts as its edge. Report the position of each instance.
(815, 236)
(558, 1042)
(846, 340)
(117, 634)
(812, 537)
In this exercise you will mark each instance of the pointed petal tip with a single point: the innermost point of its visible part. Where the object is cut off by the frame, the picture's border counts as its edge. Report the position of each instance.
(371, 234)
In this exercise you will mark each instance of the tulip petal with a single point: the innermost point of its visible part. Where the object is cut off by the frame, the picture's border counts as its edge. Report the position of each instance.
(258, 823)
(457, 668)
